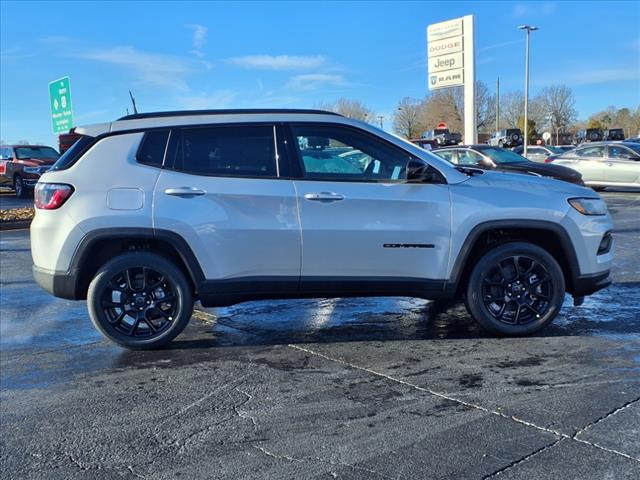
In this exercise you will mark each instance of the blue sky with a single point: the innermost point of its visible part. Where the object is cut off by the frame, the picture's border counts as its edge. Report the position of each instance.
(225, 55)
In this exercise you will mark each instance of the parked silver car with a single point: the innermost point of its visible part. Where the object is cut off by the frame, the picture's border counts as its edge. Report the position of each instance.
(605, 164)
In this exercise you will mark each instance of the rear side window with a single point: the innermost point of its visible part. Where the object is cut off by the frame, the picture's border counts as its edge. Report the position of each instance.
(237, 151)
(74, 153)
(152, 148)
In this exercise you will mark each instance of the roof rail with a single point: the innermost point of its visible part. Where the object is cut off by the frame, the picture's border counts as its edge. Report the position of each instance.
(184, 113)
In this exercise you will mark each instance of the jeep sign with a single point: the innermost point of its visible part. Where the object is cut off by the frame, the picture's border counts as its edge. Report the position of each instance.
(445, 62)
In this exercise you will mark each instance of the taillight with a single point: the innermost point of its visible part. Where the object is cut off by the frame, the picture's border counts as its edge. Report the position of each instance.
(3, 167)
(49, 196)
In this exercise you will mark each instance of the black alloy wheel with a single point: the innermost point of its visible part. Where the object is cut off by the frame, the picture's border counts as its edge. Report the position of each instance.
(140, 300)
(515, 289)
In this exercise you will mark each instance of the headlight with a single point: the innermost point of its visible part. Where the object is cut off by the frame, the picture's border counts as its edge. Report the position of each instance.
(589, 206)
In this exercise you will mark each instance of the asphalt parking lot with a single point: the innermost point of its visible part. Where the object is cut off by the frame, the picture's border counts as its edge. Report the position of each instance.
(343, 388)
(9, 200)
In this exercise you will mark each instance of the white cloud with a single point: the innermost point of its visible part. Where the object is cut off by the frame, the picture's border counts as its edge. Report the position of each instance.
(149, 68)
(312, 81)
(278, 62)
(499, 45)
(199, 38)
(603, 75)
(537, 9)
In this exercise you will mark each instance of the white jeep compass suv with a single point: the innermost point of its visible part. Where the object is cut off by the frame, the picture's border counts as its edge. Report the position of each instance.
(147, 214)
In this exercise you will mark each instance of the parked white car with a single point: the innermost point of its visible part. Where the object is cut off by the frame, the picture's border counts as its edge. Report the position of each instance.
(605, 164)
(229, 206)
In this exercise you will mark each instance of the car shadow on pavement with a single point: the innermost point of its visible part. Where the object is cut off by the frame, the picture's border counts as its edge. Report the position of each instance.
(217, 332)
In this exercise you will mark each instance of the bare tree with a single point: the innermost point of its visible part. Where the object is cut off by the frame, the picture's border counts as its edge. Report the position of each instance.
(407, 120)
(559, 105)
(351, 109)
(512, 109)
(447, 105)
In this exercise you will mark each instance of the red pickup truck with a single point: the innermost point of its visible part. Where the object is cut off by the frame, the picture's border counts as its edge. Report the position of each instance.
(22, 165)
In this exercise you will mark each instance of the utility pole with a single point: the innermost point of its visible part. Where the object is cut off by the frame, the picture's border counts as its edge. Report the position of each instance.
(528, 29)
(498, 104)
(381, 118)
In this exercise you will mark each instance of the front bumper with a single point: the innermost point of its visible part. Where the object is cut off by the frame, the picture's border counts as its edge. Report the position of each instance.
(584, 285)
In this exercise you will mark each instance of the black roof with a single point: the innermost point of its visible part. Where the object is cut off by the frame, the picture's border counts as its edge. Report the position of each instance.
(184, 113)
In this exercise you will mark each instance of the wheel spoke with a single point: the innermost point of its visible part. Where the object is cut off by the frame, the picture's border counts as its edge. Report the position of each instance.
(127, 277)
(166, 298)
(119, 318)
(518, 314)
(150, 325)
(516, 264)
(163, 313)
(136, 322)
(158, 283)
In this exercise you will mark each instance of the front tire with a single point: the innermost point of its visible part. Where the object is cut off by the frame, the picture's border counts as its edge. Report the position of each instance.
(515, 289)
(140, 300)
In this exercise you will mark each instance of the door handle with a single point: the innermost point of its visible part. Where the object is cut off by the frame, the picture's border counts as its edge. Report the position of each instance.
(184, 192)
(324, 197)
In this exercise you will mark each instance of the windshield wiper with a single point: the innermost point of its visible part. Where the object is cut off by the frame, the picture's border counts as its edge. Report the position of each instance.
(469, 170)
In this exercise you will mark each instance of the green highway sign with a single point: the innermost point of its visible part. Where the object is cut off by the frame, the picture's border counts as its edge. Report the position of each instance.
(60, 98)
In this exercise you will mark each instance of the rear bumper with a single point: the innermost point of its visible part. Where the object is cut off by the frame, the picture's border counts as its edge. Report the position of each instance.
(584, 285)
(58, 284)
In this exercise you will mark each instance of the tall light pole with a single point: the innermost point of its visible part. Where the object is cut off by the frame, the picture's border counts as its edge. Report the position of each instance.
(528, 29)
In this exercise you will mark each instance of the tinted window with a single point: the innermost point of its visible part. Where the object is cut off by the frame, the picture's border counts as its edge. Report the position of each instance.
(152, 148)
(338, 153)
(468, 157)
(72, 155)
(590, 152)
(242, 151)
(500, 155)
(446, 154)
(621, 153)
(36, 152)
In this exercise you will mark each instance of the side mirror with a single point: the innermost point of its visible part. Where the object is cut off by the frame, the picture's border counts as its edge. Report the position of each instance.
(420, 172)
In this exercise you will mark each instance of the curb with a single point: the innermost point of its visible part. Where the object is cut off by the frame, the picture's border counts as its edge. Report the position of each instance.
(15, 225)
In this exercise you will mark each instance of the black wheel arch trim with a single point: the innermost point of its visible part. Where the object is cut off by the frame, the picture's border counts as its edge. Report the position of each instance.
(484, 227)
(83, 250)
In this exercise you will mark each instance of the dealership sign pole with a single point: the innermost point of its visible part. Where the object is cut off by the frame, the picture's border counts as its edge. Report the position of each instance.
(60, 99)
(451, 59)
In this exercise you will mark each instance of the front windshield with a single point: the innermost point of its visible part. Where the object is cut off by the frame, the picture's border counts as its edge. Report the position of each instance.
(634, 146)
(500, 155)
(49, 153)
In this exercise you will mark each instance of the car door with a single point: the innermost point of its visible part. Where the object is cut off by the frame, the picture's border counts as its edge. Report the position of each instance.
(622, 166)
(365, 221)
(223, 191)
(588, 160)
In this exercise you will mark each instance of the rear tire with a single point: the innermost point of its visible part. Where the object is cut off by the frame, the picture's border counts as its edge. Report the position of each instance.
(19, 187)
(140, 300)
(515, 289)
